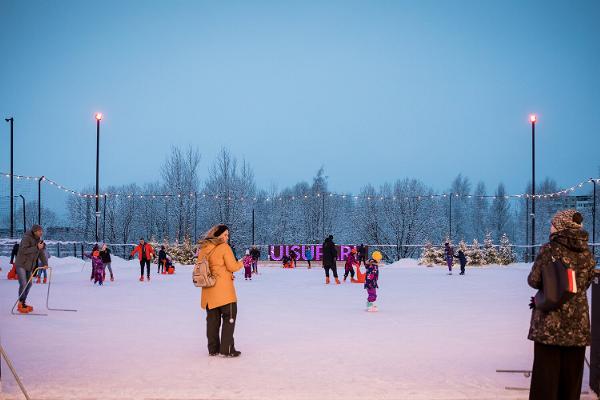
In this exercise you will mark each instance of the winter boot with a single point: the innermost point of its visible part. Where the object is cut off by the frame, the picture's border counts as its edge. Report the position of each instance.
(337, 281)
(45, 280)
(141, 279)
(22, 308)
(148, 278)
(373, 308)
(327, 280)
(28, 308)
(112, 278)
(38, 280)
(369, 305)
(345, 279)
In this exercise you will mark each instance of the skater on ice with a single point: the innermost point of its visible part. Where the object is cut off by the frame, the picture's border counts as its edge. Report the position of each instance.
(255, 253)
(330, 259)
(350, 263)
(42, 271)
(463, 261)
(371, 281)
(308, 256)
(145, 253)
(449, 252)
(106, 260)
(162, 261)
(220, 300)
(362, 254)
(30, 250)
(247, 260)
(97, 267)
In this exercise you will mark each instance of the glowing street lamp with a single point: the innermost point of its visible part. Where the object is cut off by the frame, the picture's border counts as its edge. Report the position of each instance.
(98, 119)
(533, 120)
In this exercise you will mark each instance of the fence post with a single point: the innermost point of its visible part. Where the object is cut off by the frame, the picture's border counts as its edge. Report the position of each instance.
(75, 250)
(58, 249)
(82, 251)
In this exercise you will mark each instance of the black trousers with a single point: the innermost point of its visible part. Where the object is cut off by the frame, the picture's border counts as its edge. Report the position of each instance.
(147, 264)
(225, 343)
(557, 372)
(331, 267)
(462, 268)
(349, 271)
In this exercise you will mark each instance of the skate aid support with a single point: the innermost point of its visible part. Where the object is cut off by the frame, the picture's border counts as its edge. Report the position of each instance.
(12, 370)
(33, 274)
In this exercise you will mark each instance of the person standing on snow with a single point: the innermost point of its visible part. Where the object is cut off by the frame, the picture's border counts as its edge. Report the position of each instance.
(220, 300)
(106, 260)
(449, 251)
(30, 250)
(42, 271)
(247, 260)
(145, 254)
(308, 255)
(255, 253)
(330, 259)
(372, 277)
(463, 261)
(560, 336)
(162, 260)
(349, 267)
(362, 254)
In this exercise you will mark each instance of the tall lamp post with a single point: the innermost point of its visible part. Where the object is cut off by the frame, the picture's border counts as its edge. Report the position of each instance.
(533, 120)
(11, 120)
(98, 119)
(594, 219)
(39, 221)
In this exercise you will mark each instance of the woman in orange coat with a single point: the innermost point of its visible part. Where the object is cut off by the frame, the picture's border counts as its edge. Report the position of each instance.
(220, 301)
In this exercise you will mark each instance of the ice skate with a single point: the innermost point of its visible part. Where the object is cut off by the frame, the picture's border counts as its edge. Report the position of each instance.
(327, 280)
(337, 281)
(45, 280)
(141, 279)
(22, 308)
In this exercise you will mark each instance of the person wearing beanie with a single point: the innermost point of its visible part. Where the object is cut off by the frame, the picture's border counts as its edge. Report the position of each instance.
(371, 279)
(560, 336)
(31, 249)
(349, 266)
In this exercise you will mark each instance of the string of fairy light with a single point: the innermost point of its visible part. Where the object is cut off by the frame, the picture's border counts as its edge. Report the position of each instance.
(216, 196)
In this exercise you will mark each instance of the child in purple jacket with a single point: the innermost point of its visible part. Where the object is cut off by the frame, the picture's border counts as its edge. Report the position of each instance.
(97, 268)
(248, 261)
(372, 276)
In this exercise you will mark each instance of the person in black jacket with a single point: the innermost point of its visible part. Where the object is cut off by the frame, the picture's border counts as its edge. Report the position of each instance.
(162, 260)
(106, 260)
(255, 254)
(463, 261)
(362, 254)
(329, 259)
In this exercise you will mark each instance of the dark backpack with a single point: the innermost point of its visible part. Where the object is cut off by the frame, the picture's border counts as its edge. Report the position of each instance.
(558, 286)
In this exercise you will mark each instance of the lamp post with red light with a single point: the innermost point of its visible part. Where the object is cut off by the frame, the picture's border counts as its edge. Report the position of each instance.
(98, 119)
(533, 120)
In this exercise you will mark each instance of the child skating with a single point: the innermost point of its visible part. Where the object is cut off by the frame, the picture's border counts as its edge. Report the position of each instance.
(350, 263)
(449, 257)
(372, 276)
(463, 261)
(97, 268)
(248, 261)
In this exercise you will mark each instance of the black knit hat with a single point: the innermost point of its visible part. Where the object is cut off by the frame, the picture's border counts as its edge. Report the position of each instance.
(220, 230)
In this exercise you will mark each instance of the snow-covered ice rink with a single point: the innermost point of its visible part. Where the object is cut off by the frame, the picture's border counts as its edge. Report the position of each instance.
(435, 336)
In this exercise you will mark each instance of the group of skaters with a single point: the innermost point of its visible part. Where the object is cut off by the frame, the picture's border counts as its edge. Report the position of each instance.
(450, 256)
(560, 330)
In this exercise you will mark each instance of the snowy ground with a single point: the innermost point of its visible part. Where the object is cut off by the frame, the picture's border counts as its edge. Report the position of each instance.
(435, 337)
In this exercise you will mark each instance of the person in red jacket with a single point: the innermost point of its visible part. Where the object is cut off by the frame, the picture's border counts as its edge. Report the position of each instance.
(145, 253)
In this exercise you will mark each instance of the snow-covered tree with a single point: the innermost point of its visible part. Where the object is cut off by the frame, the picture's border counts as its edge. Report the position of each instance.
(505, 252)
(475, 254)
(490, 253)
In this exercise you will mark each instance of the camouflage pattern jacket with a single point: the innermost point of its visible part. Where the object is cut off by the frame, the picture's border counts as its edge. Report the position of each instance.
(570, 324)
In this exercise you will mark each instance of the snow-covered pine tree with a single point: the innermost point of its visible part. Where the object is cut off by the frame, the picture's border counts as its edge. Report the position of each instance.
(490, 253)
(475, 256)
(505, 252)
(428, 255)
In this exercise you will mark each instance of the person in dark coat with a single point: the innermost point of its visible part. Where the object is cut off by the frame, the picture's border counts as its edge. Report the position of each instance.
(449, 251)
(293, 257)
(463, 261)
(255, 254)
(330, 259)
(106, 260)
(30, 250)
(162, 260)
(362, 254)
(561, 336)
